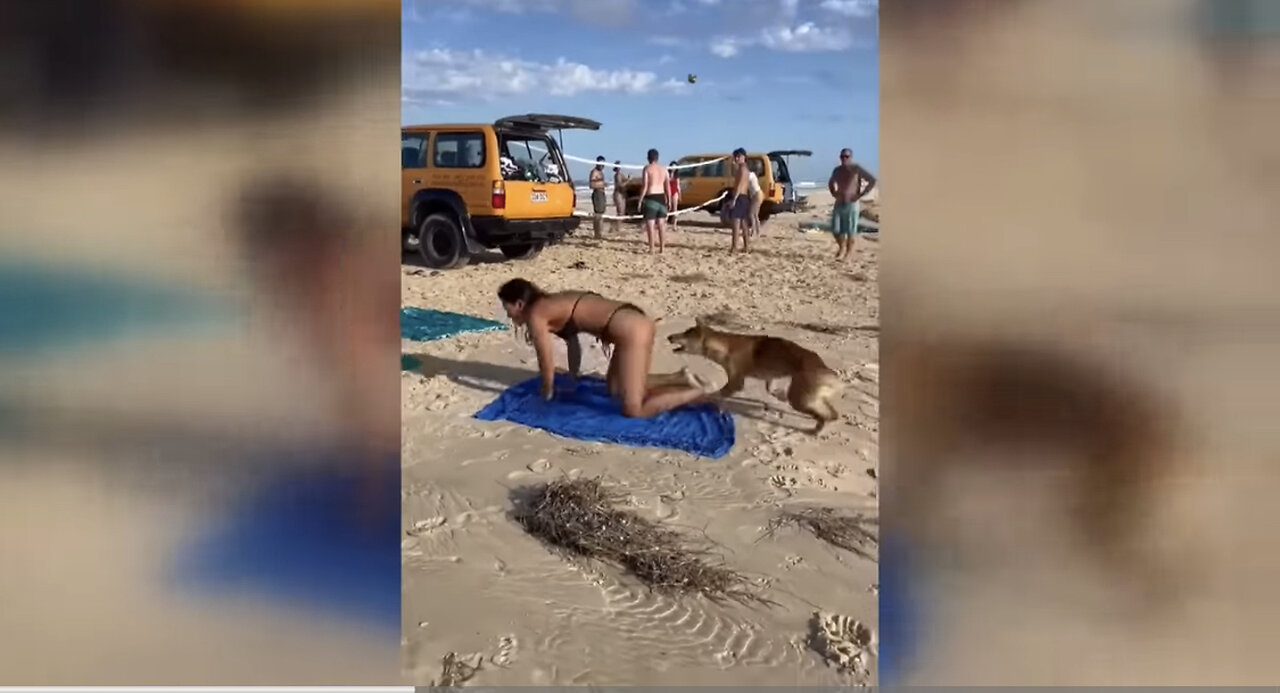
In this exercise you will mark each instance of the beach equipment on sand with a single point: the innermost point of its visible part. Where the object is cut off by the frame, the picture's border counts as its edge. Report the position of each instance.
(425, 324)
(585, 411)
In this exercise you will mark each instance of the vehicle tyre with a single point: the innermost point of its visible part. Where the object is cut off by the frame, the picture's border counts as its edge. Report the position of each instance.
(440, 242)
(522, 251)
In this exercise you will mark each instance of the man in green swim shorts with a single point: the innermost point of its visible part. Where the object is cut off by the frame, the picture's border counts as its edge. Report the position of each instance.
(655, 200)
(848, 184)
(596, 181)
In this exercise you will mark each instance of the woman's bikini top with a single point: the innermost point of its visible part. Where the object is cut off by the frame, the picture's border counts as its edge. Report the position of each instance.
(570, 329)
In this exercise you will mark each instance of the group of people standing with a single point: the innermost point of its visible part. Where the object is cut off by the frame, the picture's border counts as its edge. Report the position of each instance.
(660, 198)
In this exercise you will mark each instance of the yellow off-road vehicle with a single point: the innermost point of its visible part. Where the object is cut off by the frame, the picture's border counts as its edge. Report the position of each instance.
(503, 185)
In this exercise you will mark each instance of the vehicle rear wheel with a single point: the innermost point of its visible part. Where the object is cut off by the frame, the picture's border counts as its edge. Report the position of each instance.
(522, 251)
(764, 215)
(440, 242)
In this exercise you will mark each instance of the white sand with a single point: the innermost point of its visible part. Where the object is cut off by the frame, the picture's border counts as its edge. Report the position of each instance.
(475, 585)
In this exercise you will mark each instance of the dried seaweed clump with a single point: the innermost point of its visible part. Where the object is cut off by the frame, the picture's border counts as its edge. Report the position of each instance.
(581, 517)
(853, 533)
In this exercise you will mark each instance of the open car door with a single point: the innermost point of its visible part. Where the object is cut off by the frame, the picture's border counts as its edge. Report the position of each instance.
(790, 196)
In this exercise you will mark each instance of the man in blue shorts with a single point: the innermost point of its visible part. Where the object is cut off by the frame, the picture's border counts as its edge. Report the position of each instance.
(740, 201)
(849, 183)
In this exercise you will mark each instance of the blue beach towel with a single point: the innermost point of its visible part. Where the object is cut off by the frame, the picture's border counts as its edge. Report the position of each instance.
(44, 307)
(299, 538)
(899, 613)
(584, 410)
(425, 324)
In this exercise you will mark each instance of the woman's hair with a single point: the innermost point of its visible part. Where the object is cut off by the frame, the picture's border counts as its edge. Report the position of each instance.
(520, 289)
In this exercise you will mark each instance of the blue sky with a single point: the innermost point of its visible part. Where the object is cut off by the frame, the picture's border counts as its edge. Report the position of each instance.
(772, 74)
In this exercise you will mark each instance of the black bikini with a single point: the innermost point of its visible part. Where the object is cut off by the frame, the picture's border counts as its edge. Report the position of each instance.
(570, 329)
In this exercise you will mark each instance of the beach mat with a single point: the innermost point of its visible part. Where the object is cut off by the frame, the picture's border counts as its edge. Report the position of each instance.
(584, 410)
(44, 307)
(298, 538)
(425, 324)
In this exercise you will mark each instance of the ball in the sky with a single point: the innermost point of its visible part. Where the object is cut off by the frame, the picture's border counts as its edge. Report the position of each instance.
(693, 79)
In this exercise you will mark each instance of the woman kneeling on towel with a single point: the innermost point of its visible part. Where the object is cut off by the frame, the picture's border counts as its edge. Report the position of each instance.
(623, 325)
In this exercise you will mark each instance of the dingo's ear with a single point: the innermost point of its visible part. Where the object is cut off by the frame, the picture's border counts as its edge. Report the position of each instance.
(700, 322)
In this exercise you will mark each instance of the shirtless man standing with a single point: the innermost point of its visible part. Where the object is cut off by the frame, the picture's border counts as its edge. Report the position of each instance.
(596, 181)
(740, 201)
(655, 200)
(848, 184)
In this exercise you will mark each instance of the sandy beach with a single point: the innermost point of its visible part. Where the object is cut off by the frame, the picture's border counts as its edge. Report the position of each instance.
(475, 585)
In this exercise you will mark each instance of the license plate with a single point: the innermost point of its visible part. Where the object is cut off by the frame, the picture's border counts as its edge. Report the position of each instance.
(536, 196)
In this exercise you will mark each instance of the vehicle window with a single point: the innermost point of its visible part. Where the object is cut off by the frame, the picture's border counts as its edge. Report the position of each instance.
(459, 150)
(756, 166)
(533, 158)
(683, 173)
(780, 171)
(712, 170)
(413, 150)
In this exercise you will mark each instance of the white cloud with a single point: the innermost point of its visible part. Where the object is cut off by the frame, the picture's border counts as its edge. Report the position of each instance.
(724, 47)
(436, 75)
(805, 38)
(666, 59)
(852, 8)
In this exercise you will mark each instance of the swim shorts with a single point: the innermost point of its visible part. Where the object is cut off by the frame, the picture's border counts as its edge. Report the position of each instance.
(599, 203)
(741, 208)
(654, 207)
(844, 219)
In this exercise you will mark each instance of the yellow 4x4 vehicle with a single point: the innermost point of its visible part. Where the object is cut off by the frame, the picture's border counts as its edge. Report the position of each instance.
(469, 187)
(702, 184)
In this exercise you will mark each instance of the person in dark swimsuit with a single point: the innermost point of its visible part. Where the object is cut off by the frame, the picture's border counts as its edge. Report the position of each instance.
(623, 325)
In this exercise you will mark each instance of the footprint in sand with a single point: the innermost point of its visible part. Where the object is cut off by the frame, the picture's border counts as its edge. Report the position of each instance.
(665, 508)
(430, 524)
(782, 482)
(845, 643)
(505, 655)
(539, 466)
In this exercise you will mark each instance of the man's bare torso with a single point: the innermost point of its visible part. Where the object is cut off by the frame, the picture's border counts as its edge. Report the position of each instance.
(848, 183)
(656, 177)
(740, 183)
